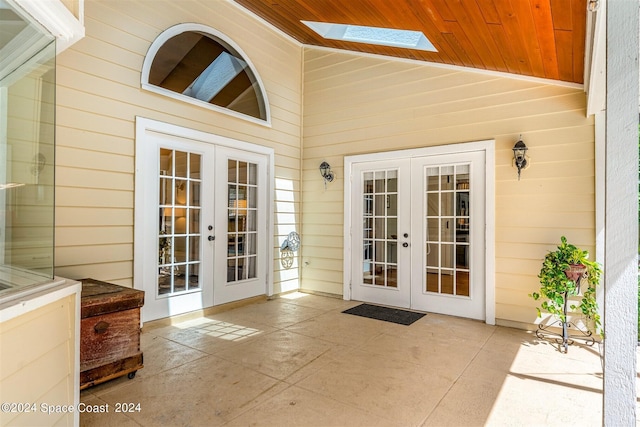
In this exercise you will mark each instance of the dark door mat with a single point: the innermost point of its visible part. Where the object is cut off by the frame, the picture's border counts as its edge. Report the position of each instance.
(394, 315)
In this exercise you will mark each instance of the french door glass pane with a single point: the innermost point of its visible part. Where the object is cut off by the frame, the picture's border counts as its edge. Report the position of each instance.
(447, 225)
(242, 234)
(179, 222)
(380, 228)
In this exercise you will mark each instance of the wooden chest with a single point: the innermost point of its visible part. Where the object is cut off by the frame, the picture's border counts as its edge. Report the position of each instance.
(109, 332)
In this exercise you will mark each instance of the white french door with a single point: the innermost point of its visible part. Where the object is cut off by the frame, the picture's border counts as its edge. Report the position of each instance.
(241, 218)
(448, 228)
(381, 225)
(418, 232)
(178, 257)
(201, 224)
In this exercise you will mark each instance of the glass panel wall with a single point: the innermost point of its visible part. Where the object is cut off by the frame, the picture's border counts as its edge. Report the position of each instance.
(27, 148)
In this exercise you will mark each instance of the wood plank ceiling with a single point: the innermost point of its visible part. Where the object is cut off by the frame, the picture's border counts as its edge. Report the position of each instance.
(539, 38)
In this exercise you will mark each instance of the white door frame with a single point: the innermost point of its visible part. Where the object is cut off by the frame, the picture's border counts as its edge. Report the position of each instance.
(143, 261)
(488, 146)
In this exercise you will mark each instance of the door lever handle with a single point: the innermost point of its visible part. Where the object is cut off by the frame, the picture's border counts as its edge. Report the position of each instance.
(211, 238)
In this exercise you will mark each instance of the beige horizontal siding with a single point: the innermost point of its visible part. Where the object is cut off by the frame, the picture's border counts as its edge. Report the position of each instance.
(99, 96)
(40, 368)
(362, 104)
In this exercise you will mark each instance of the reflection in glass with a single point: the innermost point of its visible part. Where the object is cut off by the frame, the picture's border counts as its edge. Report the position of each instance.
(392, 181)
(232, 171)
(380, 227)
(433, 204)
(179, 252)
(368, 228)
(392, 204)
(242, 231)
(253, 174)
(462, 203)
(433, 179)
(251, 220)
(367, 205)
(462, 283)
(446, 256)
(432, 229)
(380, 205)
(179, 284)
(252, 198)
(241, 271)
(194, 248)
(194, 193)
(392, 252)
(446, 231)
(447, 223)
(367, 273)
(165, 191)
(367, 187)
(379, 181)
(446, 178)
(194, 166)
(242, 172)
(433, 260)
(194, 276)
(251, 266)
(179, 221)
(392, 277)
(165, 224)
(181, 164)
(368, 250)
(446, 282)
(432, 276)
(379, 251)
(462, 231)
(446, 206)
(181, 192)
(392, 228)
(251, 243)
(166, 162)
(194, 220)
(379, 275)
(231, 269)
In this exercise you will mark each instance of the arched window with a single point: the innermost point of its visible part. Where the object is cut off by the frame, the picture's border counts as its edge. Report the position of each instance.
(197, 64)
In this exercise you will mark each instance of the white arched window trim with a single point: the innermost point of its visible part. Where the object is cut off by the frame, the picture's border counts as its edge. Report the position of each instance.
(193, 27)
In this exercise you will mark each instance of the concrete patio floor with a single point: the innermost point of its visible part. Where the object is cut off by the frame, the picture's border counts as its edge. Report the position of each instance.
(298, 361)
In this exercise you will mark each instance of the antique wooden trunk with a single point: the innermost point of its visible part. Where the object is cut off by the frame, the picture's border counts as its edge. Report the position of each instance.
(109, 332)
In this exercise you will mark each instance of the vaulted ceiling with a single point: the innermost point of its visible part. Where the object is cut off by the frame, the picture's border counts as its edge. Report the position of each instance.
(539, 38)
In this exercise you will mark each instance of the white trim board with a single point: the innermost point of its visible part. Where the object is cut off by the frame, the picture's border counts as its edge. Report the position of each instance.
(57, 19)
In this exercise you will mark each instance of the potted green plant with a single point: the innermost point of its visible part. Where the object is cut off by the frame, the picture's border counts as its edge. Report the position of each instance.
(563, 272)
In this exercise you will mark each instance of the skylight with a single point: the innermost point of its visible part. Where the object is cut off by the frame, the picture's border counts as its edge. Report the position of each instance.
(372, 35)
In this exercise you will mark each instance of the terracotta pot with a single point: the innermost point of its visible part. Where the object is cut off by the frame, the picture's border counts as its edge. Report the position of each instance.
(575, 271)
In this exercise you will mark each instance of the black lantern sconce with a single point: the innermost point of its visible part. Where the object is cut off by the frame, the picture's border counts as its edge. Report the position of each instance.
(520, 156)
(327, 174)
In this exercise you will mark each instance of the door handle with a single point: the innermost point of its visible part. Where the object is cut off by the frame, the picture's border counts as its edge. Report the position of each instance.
(211, 238)
(405, 245)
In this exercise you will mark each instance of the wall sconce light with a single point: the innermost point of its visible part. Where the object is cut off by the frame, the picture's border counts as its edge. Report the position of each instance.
(327, 174)
(520, 156)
